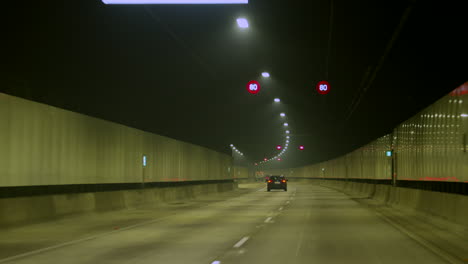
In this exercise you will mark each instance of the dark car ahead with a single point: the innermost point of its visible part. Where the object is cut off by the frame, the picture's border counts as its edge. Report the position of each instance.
(277, 182)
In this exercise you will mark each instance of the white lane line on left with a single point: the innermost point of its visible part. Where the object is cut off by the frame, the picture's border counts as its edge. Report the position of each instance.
(299, 243)
(241, 242)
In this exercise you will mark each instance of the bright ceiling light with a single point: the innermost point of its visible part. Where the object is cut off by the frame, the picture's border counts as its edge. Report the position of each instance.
(277, 100)
(287, 136)
(145, 2)
(282, 114)
(266, 74)
(242, 23)
(287, 131)
(464, 115)
(285, 124)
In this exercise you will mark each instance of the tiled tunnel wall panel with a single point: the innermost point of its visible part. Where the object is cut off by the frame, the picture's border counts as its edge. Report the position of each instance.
(429, 147)
(45, 145)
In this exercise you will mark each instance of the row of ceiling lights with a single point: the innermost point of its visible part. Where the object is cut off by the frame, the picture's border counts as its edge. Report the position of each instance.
(243, 23)
(279, 147)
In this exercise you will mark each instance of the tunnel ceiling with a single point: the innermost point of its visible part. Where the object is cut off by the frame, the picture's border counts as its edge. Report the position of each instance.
(181, 70)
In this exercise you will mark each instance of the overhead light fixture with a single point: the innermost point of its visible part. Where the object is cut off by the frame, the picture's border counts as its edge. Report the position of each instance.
(172, 2)
(242, 23)
(266, 74)
(282, 114)
(277, 100)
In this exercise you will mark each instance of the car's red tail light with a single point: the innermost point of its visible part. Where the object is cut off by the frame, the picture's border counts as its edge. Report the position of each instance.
(270, 181)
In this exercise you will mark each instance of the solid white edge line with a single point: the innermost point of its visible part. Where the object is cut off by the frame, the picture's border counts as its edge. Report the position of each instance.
(241, 242)
(38, 251)
(423, 242)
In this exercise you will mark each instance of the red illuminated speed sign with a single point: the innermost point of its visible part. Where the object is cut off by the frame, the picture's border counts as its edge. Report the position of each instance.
(253, 87)
(323, 87)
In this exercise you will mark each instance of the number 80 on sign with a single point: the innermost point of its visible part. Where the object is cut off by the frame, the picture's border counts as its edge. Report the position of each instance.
(323, 87)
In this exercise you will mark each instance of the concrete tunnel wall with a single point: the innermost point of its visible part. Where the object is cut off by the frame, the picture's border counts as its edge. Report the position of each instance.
(430, 148)
(44, 146)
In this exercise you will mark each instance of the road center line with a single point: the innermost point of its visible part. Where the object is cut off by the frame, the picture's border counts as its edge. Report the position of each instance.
(241, 242)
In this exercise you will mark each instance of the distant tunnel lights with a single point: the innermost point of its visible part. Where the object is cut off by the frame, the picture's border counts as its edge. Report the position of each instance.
(277, 100)
(242, 23)
(172, 2)
(282, 114)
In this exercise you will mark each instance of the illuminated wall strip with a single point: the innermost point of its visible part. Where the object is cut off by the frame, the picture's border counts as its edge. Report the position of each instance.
(172, 2)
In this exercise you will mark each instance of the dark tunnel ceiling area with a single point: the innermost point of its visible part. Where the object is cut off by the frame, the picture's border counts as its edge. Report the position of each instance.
(181, 70)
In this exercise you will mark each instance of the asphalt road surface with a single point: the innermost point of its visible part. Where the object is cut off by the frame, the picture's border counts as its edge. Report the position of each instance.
(307, 224)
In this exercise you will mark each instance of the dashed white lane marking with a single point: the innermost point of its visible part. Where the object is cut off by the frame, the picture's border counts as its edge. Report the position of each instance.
(299, 243)
(241, 242)
(281, 208)
(268, 219)
(216, 262)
